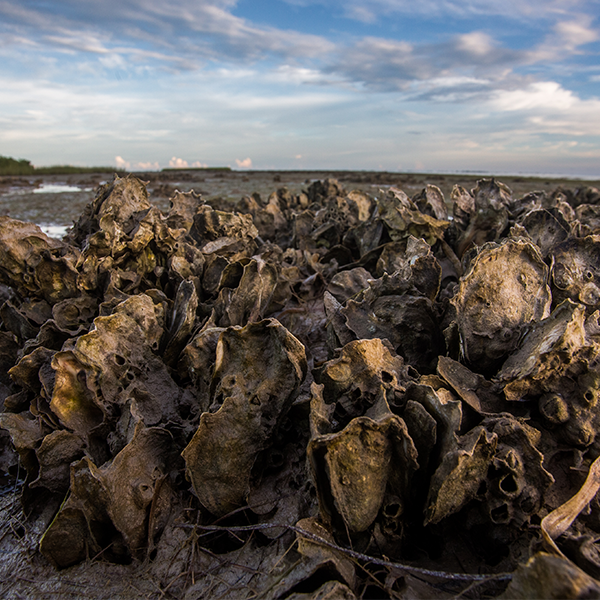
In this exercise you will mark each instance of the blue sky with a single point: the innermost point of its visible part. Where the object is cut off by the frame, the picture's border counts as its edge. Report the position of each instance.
(399, 85)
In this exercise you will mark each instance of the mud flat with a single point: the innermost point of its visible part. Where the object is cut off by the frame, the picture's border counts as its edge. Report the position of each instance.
(327, 389)
(41, 201)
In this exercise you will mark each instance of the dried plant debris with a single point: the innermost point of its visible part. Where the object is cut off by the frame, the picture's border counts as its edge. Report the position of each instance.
(325, 394)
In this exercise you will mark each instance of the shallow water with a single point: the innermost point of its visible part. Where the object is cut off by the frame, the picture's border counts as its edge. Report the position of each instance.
(55, 231)
(52, 188)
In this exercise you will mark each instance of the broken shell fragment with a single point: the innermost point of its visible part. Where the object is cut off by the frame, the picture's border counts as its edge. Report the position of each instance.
(459, 476)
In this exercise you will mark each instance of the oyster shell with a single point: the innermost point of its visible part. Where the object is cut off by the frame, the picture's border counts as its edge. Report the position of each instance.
(355, 467)
(489, 217)
(359, 450)
(258, 371)
(575, 272)
(132, 494)
(302, 355)
(505, 289)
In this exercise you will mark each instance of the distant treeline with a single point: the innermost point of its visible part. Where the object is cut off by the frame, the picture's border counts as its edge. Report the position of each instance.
(11, 166)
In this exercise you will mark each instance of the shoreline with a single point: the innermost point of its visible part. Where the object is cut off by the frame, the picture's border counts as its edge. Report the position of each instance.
(25, 198)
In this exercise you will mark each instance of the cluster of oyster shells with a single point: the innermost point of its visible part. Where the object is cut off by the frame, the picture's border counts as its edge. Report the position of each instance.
(408, 377)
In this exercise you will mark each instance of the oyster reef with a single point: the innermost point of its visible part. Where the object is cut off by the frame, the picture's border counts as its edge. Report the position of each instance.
(328, 394)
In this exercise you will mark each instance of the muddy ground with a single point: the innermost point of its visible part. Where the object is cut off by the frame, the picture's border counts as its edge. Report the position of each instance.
(24, 198)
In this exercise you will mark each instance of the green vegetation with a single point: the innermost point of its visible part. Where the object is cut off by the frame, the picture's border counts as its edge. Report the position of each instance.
(11, 166)
(69, 170)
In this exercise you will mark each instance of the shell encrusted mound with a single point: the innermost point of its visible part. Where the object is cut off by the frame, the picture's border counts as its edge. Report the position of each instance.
(311, 395)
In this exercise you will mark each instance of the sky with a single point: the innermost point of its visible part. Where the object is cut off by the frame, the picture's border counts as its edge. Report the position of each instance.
(510, 86)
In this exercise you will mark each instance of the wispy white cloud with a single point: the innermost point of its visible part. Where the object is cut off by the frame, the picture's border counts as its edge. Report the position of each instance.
(370, 10)
(574, 33)
(546, 108)
(121, 163)
(244, 164)
(178, 163)
(200, 31)
(542, 95)
(566, 38)
(476, 43)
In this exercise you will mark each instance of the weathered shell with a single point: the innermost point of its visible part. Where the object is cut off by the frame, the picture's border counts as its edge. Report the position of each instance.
(402, 218)
(463, 206)
(131, 494)
(198, 359)
(460, 474)
(393, 308)
(588, 219)
(430, 201)
(111, 217)
(549, 576)
(414, 262)
(408, 322)
(72, 401)
(219, 228)
(353, 468)
(504, 291)
(497, 463)
(74, 315)
(489, 216)
(257, 373)
(119, 347)
(546, 228)
(346, 284)
(359, 450)
(553, 366)
(34, 264)
(517, 480)
(356, 378)
(575, 274)
(181, 323)
(252, 294)
(538, 363)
